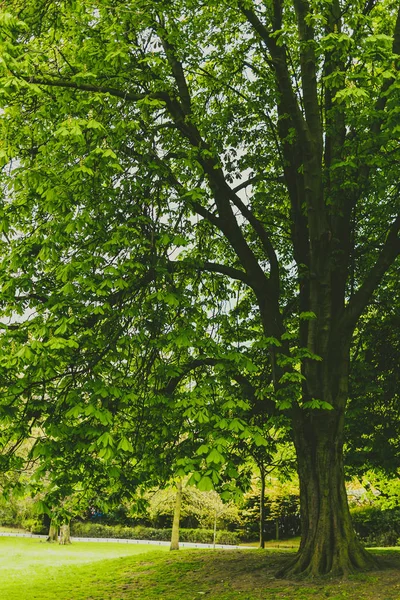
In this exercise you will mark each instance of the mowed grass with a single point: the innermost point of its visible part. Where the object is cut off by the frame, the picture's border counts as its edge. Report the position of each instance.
(33, 569)
(30, 569)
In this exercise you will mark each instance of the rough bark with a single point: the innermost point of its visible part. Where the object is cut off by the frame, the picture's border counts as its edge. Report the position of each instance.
(53, 533)
(177, 515)
(329, 544)
(65, 535)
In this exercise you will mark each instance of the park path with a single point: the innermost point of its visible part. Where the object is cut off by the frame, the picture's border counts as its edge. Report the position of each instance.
(127, 541)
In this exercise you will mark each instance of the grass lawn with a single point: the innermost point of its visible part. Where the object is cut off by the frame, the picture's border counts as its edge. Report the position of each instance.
(30, 569)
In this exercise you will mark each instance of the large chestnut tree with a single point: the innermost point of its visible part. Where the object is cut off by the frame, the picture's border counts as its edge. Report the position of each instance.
(212, 187)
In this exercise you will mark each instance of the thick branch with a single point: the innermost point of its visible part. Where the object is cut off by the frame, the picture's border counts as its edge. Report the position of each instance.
(309, 72)
(226, 270)
(262, 234)
(388, 254)
(178, 72)
(212, 268)
(278, 55)
(290, 116)
(222, 194)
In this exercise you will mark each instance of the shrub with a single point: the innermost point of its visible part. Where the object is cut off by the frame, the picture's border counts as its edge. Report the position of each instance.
(14, 511)
(376, 527)
(35, 526)
(196, 536)
(227, 537)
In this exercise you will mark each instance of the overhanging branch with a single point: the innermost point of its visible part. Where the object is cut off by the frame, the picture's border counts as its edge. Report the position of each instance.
(269, 407)
(226, 270)
(84, 87)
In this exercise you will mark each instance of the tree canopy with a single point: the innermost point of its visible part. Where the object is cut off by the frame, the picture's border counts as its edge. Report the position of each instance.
(199, 201)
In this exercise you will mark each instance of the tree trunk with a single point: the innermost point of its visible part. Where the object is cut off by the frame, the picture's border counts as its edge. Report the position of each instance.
(65, 535)
(329, 544)
(177, 514)
(53, 532)
(262, 508)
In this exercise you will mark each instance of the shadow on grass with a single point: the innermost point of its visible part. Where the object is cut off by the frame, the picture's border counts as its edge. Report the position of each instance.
(236, 574)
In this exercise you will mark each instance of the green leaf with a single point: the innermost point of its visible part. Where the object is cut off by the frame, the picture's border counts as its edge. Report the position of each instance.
(314, 403)
(205, 484)
(215, 457)
(125, 445)
(105, 440)
(307, 316)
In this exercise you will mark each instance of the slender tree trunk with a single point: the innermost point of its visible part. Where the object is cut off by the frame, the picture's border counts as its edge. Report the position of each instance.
(53, 532)
(329, 544)
(262, 508)
(65, 535)
(177, 515)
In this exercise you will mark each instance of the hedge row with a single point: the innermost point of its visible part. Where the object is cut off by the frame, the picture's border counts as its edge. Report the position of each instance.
(197, 536)
(375, 527)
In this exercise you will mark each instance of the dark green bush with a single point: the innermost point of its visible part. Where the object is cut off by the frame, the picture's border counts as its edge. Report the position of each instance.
(197, 536)
(376, 527)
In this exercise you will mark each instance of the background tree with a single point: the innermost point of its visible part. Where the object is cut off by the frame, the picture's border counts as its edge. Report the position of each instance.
(372, 424)
(197, 509)
(132, 132)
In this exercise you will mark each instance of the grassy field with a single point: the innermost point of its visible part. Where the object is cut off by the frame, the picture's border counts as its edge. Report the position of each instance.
(33, 570)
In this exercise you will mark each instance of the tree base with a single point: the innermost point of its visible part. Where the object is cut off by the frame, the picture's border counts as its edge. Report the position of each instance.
(314, 565)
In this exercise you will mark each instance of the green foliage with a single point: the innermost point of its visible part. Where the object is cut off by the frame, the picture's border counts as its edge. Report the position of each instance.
(373, 415)
(282, 509)
(35, 526)
(377, 527)
(200, 508)
(15, 511)
(203, 536)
